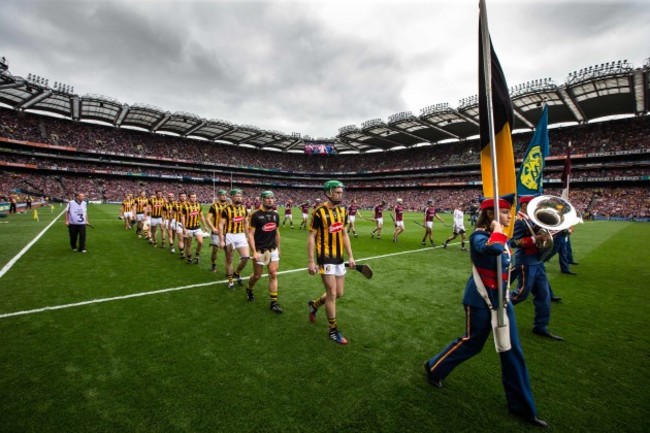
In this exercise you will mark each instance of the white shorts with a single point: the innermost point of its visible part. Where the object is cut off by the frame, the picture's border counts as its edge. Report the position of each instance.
(195, 233)
(379, 221)
(399, 224)
(336, 270)
(148, 220)
(428, 224)
(172, 224)
(179, 227)
(305, 216)
(139, 217)
(352, 218)
(165, 222)
(214, 240)
(128, 215)
(459, 230)
(288, 216)
(156, 221)
(236, 240)
(275, 257)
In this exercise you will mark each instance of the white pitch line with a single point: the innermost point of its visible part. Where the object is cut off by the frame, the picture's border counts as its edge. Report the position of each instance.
(175, 289)
(13, 261)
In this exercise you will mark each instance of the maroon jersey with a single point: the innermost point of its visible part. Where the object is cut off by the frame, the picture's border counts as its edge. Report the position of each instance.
(379, 211)
(399, 212)
(352, 210)
(287, 209)
(429, 213)
(304, 208)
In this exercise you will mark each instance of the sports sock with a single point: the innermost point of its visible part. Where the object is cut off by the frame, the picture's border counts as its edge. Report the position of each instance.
(318, 302)
(273, 296)
(331, 321)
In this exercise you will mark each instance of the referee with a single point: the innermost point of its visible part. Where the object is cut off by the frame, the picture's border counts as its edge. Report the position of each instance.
(76, 218)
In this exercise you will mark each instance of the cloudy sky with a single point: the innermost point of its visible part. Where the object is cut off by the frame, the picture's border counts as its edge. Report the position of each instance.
(308, 66)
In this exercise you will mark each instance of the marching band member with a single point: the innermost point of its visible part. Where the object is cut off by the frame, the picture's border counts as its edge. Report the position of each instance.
(531, 270)
(489, 247)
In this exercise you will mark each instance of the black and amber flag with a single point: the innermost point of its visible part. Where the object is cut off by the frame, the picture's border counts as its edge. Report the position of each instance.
(502, 119)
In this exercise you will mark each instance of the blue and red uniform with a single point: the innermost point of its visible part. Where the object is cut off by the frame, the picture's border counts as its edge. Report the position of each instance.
(531, 273)
(486, 250)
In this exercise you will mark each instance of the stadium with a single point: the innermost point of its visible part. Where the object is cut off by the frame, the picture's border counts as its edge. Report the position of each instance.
(128, 338)
(125, 149)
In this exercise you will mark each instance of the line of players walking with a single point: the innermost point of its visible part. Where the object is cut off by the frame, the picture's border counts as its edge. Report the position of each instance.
(232, 227)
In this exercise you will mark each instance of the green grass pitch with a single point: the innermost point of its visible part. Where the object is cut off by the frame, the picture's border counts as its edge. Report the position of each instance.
(203, 359)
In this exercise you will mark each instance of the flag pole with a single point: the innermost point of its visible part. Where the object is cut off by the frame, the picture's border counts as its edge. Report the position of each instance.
(487, 76)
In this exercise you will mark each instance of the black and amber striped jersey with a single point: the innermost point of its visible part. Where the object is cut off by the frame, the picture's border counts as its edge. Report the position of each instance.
(168, 210)
(140, 204)
(192, 213)
(157, 207)
(214, 213)
(329, 225)
(127, 205)
(234, 217)
(177, 209)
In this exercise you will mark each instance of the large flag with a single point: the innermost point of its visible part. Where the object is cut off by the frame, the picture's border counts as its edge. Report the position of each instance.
(531, 172)
(502, 120)
(566, 174)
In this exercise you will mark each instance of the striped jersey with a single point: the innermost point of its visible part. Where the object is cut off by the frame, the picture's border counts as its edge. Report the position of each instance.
(192, 213)
(140, 204)
(235, 217)
(214, 213)
(127, 205)
(157, 206)
(329, 225)
(177, 209)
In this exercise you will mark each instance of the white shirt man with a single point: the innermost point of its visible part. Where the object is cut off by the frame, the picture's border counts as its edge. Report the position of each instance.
(76, 218)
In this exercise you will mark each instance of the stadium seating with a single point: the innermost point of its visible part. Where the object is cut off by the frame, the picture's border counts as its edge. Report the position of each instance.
(52, 157)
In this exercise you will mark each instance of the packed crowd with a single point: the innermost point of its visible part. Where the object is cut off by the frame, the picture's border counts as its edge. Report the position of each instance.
(604, 202)
(74, 170)
(625, 134)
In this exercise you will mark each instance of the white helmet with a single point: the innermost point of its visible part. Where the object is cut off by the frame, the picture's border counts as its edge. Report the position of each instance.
(399, 200)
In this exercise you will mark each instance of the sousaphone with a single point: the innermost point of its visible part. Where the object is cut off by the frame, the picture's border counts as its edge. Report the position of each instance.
(553, 215)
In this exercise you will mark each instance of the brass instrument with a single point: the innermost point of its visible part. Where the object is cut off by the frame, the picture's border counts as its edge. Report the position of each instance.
(551, 215)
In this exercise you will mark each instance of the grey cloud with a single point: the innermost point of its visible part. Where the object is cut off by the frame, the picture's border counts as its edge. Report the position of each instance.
(270, 64)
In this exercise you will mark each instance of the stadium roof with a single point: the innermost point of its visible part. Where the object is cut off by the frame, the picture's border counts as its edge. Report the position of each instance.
(608, 89)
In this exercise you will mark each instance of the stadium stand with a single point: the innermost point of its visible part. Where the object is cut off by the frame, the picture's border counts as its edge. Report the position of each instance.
(46, 156)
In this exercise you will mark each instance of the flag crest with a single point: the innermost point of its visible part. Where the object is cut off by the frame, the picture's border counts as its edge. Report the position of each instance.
(530, 177)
